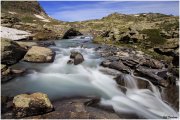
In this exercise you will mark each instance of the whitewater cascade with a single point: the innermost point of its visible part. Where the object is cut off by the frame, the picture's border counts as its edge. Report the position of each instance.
(59, 79)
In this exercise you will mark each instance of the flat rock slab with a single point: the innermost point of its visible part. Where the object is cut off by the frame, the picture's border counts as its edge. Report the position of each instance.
(74, 108)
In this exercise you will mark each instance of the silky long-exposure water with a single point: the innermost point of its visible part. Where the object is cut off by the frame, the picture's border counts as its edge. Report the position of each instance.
(59, 79)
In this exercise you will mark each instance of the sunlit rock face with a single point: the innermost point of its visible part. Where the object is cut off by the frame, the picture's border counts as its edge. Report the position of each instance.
(38, 54)
(34, 104)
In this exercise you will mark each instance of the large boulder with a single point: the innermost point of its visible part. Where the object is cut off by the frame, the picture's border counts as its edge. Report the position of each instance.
(34, 104)
(39, 55)
(77, 57)
(11, 52)
(70, 33)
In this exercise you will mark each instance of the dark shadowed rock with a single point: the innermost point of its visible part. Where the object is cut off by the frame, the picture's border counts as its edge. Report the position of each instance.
(175, 60)
(70, 61)
(167, 52)
(34, 104)
(93, 102)
(71, 33)
(11, 52)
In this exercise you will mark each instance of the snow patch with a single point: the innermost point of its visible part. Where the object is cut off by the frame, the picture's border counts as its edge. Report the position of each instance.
(13, 34)
(42, 18)
(12, 12)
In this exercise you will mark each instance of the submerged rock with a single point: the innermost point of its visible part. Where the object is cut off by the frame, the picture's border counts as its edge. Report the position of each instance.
(11, 52)
(8, 73)
(77, 57)
(39, 55)
(27, 105)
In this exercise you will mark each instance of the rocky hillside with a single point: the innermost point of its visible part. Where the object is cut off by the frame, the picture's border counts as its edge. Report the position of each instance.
(30, 16)
(145, 32)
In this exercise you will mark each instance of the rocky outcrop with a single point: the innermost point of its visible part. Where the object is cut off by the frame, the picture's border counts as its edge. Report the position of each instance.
(152, 63)
(132, 36)
(39, 55)
(117, 65)
(70, 33)
(11, 52)
(122, 80)
(27, 105)
(171, 50)
(153, 75)
(127, 60)
(76, 58)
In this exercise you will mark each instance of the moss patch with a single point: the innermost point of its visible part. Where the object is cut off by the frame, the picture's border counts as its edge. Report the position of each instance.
(154, 37)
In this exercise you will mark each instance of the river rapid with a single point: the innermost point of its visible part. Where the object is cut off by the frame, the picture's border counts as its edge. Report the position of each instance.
(59, 79)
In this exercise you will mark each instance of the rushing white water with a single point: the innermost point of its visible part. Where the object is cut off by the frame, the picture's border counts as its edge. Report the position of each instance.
(60, 79)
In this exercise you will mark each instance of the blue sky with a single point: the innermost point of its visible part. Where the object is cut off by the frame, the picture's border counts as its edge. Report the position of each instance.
(85, 10)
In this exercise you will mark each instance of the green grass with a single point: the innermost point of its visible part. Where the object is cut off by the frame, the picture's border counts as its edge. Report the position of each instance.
(154, 37)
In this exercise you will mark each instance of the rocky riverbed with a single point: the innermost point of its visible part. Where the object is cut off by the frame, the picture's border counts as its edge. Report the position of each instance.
(86, 80)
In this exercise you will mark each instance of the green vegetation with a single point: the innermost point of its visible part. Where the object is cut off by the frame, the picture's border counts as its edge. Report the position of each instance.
(154, 37)
(167, 26)
(28, 19)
